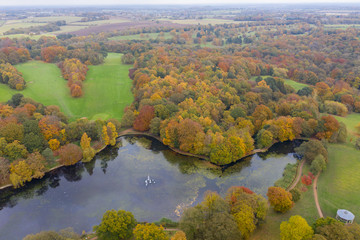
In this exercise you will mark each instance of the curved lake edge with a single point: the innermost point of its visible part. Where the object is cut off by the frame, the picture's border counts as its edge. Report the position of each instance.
(133, 132)
(206, 159)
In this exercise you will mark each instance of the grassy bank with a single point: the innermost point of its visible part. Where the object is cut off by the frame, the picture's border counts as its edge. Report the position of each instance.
(107, 88)
(338, 186)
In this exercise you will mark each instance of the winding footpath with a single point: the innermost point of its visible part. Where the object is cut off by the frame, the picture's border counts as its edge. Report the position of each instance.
(316, 196)
(298, 175)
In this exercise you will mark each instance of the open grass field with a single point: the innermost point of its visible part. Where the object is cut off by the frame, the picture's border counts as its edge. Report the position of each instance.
(296, 85)
(338, 185)
(204, 21)
(73, 24)
(350, 121)
(10, 25)
(145, 36)
(107, 89)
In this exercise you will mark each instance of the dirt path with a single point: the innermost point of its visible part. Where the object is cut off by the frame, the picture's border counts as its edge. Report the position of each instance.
(316, 197)
(298, 172)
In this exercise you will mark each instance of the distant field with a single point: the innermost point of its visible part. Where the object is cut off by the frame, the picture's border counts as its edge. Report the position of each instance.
(204, 21)
(342, 26)
(68, 19)
(73, 24)
(9, 25)
(100, 22)
(107, 88)
(145, 36)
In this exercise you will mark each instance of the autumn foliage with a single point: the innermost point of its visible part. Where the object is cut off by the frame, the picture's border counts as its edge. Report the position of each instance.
(53, 54)
(280, 199)
(75, 72)
(11, 76)
(142, 121)
(70, 154)
(306, 180)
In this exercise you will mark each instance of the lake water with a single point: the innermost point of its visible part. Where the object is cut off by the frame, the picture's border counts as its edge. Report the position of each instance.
(79, 195)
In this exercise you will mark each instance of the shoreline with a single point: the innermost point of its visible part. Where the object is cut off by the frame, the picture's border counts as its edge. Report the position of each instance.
(132, 132)
(48, 171)
(206, 159)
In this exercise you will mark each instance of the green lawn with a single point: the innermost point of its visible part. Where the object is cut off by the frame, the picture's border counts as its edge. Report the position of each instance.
(296, 85)
(350, 121)
(339, 185)
(107, 88)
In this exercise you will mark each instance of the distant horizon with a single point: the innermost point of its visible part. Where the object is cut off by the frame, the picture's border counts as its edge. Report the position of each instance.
(87, 3)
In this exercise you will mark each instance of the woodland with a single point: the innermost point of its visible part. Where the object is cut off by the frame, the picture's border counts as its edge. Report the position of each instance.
(218, 91)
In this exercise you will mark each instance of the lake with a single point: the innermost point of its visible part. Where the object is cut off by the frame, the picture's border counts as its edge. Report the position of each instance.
(78, 196)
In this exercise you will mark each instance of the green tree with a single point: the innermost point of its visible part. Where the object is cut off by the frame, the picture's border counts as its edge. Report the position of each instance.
(334, 231)
(296, 229)
(296, 194)
(15, 150)
(116, 225)
(309, 150)
(34, 142)
(318, 165)
(149, 232)
(210, 220)
(264, 138)
(12, 132)
(49, 157)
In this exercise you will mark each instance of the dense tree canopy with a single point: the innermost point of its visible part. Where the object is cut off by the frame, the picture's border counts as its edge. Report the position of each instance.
(116, 225)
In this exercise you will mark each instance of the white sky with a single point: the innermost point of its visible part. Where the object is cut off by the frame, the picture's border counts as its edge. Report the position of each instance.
(167, 2)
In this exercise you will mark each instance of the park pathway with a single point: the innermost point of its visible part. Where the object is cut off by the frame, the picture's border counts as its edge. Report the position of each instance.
(316, 197)
(298, 175)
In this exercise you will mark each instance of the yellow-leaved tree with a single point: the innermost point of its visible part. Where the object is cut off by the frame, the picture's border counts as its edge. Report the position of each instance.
(295, 229)
(88, 151)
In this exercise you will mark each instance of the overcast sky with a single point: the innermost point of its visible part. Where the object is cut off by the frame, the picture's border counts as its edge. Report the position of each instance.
(127, 2)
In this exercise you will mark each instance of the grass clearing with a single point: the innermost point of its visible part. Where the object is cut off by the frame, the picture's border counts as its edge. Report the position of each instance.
(296, 85)
(107, 88)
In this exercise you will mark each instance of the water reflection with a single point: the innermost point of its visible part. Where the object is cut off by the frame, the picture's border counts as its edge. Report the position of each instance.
(77, 196)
